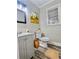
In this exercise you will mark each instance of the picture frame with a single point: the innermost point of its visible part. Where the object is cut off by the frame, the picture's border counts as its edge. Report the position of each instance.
(53, 15)
(21, 16)
(34, 18)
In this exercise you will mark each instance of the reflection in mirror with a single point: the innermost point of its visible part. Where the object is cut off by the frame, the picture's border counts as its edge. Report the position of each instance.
(21, 16)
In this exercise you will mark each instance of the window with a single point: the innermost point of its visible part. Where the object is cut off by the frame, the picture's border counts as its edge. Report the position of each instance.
(21, 6)
(53, 15)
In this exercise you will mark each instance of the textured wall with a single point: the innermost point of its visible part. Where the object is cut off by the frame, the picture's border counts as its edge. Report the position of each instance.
(22, 27)
(53, 31)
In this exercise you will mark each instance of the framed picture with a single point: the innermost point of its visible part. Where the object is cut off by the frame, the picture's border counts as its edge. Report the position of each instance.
(53, 15)
(34, 18)
(21, 16)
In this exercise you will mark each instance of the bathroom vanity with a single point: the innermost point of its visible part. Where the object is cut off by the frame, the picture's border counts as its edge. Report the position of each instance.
(25, 45)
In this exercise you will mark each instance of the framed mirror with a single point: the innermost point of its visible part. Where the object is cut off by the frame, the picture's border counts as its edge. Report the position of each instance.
(21, 16)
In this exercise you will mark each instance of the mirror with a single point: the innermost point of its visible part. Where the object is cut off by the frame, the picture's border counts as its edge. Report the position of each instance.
(21, 16)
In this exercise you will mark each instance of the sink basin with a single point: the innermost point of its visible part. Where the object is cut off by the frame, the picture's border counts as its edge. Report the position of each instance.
(23, 34)
(19, 33)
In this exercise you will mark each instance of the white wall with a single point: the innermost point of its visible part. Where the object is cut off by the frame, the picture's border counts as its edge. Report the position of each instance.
(53, 31)
(22, 27)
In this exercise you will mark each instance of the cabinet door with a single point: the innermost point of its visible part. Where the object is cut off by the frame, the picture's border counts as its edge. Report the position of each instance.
(26, 47)
(30, 47)
(22, 48)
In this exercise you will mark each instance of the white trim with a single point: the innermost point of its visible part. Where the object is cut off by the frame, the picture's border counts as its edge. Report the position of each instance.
(46, 3)
(42, 4)
(54, 6)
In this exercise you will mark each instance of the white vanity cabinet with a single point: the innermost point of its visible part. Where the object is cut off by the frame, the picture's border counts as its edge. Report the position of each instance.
(25, 46)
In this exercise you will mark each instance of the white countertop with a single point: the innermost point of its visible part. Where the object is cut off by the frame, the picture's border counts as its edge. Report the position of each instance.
(24, 34)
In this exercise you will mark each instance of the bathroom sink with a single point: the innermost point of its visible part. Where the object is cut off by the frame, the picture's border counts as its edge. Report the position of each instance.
(19, 34)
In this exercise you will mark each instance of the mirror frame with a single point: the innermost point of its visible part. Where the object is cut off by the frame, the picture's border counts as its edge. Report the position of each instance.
(24, 22)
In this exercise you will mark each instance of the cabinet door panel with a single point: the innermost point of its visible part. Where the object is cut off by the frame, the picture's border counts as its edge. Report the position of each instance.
(22, 48)
(30, 47)
(25, 45)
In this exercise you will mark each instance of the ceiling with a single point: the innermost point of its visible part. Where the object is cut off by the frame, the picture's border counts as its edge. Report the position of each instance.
(38, 3)
(41, 3)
